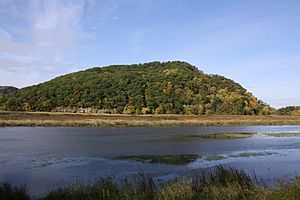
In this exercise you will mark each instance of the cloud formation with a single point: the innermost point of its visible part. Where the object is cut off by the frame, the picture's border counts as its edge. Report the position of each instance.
(39, 38)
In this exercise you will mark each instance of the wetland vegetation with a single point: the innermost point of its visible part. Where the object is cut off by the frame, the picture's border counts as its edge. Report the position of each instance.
(212, 157)
(293, 134)
(221, 136)
(71, 119)
(161, 159)
(214, 184)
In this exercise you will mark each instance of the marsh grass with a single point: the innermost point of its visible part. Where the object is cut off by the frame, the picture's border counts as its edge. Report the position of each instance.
(181, 159)
(9, 192)
(8, 118)
(215, 184)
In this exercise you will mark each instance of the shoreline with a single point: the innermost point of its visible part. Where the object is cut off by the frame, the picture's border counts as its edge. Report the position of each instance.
(50, 119)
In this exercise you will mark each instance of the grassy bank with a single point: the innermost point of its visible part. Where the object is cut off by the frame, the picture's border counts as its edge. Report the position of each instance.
(69, 119)
(217, 184)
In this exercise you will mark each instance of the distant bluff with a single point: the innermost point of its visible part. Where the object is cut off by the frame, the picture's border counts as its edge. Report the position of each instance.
(150, 88)
(8, 89)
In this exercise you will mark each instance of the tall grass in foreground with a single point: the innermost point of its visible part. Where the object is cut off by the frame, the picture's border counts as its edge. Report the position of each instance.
(217, 184)
(7, 191)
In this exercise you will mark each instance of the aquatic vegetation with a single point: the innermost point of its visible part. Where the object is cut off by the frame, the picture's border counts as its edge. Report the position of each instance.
(213, 157)
(162, 159)
(252, 154)
(214, 184)
(292, 134)
(221, 136)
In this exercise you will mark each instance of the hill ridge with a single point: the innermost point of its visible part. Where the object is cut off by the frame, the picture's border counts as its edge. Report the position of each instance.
(172, 87)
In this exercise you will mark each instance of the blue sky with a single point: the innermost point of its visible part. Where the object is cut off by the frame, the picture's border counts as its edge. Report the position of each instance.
(256, 43)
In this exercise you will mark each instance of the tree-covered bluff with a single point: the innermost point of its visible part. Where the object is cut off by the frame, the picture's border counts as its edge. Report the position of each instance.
(150, 88)
(289, 110)
(8, 89)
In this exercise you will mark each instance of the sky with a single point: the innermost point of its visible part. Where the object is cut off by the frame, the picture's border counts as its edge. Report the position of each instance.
(256, 43)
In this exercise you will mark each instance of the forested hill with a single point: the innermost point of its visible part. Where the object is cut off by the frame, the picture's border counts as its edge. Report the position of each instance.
(8, 89)
(150, 88)
(289, 110)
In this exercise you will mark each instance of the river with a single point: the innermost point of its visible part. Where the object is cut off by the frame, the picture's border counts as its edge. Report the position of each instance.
(45, 158)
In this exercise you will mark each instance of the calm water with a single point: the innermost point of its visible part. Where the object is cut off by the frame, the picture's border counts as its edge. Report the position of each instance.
(45, 158)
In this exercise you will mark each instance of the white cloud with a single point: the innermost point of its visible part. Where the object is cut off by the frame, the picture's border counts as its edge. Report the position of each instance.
(37, 41)
(56, 23)
(45, 37)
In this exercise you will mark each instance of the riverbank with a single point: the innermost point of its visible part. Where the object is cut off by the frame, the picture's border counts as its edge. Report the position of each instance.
(220, 183)
(94, 120)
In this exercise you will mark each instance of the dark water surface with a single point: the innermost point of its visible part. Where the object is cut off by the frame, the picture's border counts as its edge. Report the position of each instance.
(45, 158)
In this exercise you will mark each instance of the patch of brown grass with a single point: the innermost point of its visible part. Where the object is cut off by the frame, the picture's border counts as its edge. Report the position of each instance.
(70, 119)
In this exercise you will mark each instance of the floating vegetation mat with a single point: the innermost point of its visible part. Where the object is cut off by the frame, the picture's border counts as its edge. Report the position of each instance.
(220, 136)
(213, 157)
(181, 159)
(282, 134)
